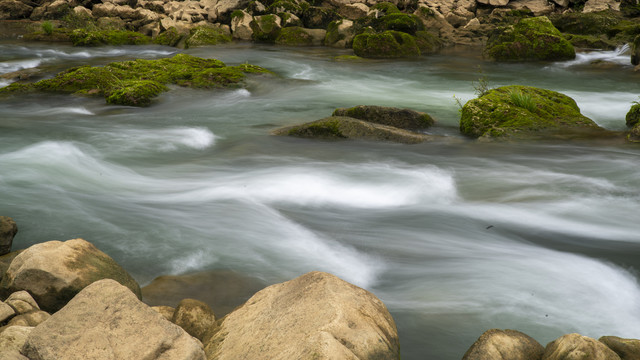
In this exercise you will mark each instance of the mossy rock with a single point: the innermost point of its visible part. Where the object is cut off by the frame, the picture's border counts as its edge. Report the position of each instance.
(136, 93)
(529, 40)
(350, 58)
(524, 112)
(289, 6)
(315, 17)
(634, 134)
(427, 42)
(169, 37)
(407, 23)
(593, 23)
(386, 7)
(294, 36)
(341, 128)
(206, 35)
(266, 28)
(136, 82)
(81, 37)
(635, 51)
(56, 35)
(389, 44)
(401, 118)
(630, 8)
(590, 42)
(633, 116)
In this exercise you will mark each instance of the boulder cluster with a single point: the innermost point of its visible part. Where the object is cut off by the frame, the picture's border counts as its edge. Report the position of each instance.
(69, 300)
(496, 344)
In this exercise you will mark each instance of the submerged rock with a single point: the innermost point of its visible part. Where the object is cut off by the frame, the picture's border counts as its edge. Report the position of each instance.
(315, 316)
(54, 272)
(627, 349)
(524, 112)
(578, 347)
(342, 127)
(107, 321)
(8, 230)
(137, 82)
(401, 118)
(530, 39)
(195, 317)
(496, 344)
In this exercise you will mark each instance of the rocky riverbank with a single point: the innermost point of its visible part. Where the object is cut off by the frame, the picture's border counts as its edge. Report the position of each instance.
(69, 300)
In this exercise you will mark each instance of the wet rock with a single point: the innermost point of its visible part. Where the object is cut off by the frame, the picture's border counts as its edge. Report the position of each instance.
(222, 290)
(195, 317)
(530, 39)
(523, 112)
(578, 347)
(401, 118)
(627, 349)
(8, 230)
(106, 321)
(53, 272)
(13, 338)
(496, 344)
(14, 10)
(315, 316)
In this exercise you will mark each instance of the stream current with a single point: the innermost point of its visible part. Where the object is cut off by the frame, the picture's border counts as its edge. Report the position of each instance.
(455, 237)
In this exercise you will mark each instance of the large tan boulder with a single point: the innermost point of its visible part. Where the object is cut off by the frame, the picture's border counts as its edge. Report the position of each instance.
(601, 5)
(578, 347)
(54, 271)
(496, 344)
(107, 321)
(11, 355)
(240, 25)
(627, 349)
(22, 302)
(8, 229)
(315, 316)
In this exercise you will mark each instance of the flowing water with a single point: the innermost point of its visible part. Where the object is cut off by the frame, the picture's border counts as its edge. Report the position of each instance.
(456, 237)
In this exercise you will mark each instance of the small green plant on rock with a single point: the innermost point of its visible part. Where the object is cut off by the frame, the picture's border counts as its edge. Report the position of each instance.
(47, 27)
(525, 101)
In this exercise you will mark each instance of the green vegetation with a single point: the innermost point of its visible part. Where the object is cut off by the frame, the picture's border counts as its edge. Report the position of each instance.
(409, 24)
(633, 116)
(47, 27)
(137, 82)
(169, 37)
(389, 44)
(265, 28)
(523, 112)
(82, 37)
(427, 42)
(329, 128)
(386, 7)
(294, 36)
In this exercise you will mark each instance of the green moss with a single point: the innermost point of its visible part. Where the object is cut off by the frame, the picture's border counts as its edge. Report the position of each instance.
(389, 44)
(386, 7)
(82, 37)
(136, 82)
(593, 23)
(333, 36)
(630, 8)
(136, 93)
(409, 24)
(206, 35)
(530, 39)
(285, 6)
(427, 42)
(294, 36)
(169, 37)
(590, 42)
(237, 14)
(348, 58)
(75, 20)
(541, 111)
(265, 28)
(426, 12)
(328, 129)
(315, 17)
(633, 116)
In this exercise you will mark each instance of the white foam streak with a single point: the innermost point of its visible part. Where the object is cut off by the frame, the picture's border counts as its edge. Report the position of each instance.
(162, 140)
(617, 56)
(11, 66)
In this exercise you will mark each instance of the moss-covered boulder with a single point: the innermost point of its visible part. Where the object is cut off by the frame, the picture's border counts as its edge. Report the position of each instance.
(592, 23)
(136, 82)
(266, 28)
(315, 17)
(207, 35)
(389, 44)
(169, 37)
(340, 33)
(523, 112)
(630, 8)
(341, 128)
(591, 42)
(407, 23)
(386, 7)
(635, 51)
(633, 116)
(530, 39)
(427, 42)
(401, 118)
(294, 36)
(82, 37)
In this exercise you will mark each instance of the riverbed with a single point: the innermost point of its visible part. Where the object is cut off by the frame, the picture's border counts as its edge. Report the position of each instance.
(455, 236)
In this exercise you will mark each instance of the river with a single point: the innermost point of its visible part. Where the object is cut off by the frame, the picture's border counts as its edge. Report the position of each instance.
(456, 237)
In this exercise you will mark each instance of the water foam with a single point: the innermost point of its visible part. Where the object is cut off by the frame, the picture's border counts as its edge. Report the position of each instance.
(162, 140)
(618, 56)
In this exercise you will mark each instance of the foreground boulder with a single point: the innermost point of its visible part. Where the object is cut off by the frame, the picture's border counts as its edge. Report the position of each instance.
(578, 347)
(107, 321)
(53, 272)
(137, 82)
(627, 349)
(8, 229)
(401, 118)
(633, 122)
(498, 344)
(530, 39)
(315, 316)
(524, 112)
(342, 127)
